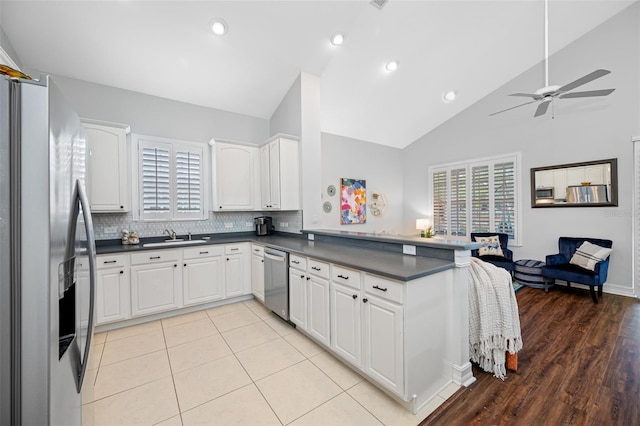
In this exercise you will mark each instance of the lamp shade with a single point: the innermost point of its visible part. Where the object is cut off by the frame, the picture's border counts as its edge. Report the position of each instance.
(422, 223)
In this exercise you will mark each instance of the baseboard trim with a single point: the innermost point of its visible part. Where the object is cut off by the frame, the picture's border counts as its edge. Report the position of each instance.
(606, 288)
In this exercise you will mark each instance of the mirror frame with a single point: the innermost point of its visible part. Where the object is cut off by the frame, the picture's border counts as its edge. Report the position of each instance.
(613, 162)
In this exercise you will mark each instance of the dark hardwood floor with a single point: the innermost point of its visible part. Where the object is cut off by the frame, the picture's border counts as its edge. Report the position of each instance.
(580, 365)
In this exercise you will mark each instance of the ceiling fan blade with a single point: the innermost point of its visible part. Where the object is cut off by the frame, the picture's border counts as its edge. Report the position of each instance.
(527, 95)
(542, 108)
(583, 80)
(587, 94)
(517, 106)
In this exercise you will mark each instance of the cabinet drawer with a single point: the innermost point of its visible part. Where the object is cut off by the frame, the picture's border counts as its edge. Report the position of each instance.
(297, 262)
(345, 276)
(384, 288)
(258, 250)
(203, 251)
(234, 248)
(155, 256)
(111, 261)
(317, 268)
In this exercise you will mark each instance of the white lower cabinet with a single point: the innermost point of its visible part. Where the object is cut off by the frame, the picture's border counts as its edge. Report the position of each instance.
(318, 307)
(298, 291)
(237, 270)
(113, 294)
(257, 271)
(156, 281)
(346, 332)
(382, 326)
(202, 275)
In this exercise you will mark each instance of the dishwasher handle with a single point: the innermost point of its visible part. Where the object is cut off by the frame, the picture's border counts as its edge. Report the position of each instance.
(275, 256)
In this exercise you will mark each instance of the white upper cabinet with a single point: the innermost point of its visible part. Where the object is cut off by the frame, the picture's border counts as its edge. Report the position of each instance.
(280, 173)
(235, 176)
(108, 170)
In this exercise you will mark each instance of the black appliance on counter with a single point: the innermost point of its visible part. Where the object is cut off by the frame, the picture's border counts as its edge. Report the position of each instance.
(264, 225)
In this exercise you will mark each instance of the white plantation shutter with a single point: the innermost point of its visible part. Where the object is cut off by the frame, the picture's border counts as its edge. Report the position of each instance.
(155, 176)
(480, 199)
(439, 191)
(504, 189)
(188, 182)
(478, 196)
(171, 180)
(458, 201)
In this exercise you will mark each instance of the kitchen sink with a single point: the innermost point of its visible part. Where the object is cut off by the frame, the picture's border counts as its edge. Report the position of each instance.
(177, 242)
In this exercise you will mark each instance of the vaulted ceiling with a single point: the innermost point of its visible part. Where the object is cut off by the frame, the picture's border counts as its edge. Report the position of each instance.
(166, 48)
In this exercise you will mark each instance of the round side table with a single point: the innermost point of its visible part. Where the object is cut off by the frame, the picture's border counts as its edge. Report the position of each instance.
(529, 272)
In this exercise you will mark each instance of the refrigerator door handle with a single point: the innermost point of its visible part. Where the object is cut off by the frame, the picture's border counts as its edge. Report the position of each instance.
(91, 251)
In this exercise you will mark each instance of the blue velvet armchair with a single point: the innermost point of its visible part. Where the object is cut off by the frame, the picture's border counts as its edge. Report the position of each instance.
(558, 267)
(505, 261)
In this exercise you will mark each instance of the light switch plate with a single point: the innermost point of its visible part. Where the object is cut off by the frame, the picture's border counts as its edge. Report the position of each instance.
(311, 237)
(409, 249)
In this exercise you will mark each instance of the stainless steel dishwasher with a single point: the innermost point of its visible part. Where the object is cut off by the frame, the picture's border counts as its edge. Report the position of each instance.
(276, 282)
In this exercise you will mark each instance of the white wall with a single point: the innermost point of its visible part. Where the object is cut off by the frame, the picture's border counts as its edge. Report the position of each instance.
(310, 151)
(380, 166)
(152, 115)
(6, 45)
(287, 117)
(582, 130)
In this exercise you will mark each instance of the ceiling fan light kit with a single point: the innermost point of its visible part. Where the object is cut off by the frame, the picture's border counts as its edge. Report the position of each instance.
(546, 95)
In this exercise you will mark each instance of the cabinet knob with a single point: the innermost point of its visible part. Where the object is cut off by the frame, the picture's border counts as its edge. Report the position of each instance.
(262, 261)
(122, 272)
(227, 258)
(365, 300)
(301, 276)
(355, 296)
(184, 265)
(175, 265)
(122, 207)
(308, 278)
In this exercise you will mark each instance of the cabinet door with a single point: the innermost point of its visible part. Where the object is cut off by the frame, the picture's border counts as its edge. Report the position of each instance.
(274, 173)
(265, 177)
(345, 322)
(383, 346)
(234, 274)
(107, 168)
(257, 277)
(202, 280)
(298, 298)
(234, 172)
(155, 288)
(318, 306)
(112, 295)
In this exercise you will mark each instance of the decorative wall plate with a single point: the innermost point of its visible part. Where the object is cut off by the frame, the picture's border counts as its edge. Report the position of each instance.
(327, 207)
(331, 190)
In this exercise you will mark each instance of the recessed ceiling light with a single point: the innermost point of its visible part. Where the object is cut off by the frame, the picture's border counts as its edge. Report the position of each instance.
(449, 96)
(337, 39)
(219, 26)
(391, 66)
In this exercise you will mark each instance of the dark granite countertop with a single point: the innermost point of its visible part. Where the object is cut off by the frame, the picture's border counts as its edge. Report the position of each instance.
(388, 264)
(399, 239)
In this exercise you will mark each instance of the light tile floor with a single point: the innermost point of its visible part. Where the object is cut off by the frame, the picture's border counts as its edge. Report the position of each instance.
(236, 364)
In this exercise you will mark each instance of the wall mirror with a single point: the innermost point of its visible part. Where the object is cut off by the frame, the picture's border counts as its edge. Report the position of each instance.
(586, 184)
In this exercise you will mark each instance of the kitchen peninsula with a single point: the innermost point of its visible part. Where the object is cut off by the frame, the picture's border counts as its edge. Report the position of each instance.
(400, 320)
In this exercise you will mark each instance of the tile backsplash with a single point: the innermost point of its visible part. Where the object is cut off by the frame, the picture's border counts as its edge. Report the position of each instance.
(109, 225)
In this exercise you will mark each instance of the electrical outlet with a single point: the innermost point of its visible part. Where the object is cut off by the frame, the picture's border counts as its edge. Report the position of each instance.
(110, 230)
(228, 225)
(311, 237)
(248, 224)
(409, 249)
(284, 224)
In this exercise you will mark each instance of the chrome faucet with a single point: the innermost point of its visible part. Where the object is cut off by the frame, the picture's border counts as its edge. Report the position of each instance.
(171, 233)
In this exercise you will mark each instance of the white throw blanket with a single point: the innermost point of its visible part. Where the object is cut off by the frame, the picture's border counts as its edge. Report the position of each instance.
(494, 323)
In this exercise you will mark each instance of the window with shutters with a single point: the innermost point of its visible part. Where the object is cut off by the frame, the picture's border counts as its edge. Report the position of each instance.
(476, 196)
(170, 178)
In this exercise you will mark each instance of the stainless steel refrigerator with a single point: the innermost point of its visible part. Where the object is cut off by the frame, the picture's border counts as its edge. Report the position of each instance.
(47, 257)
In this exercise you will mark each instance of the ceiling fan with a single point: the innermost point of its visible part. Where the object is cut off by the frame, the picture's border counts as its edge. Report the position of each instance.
(547, 94)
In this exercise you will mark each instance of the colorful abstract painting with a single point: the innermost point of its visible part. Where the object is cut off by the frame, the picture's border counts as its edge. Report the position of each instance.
(353, 194)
